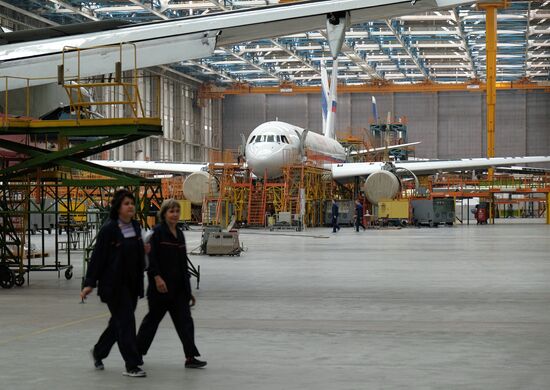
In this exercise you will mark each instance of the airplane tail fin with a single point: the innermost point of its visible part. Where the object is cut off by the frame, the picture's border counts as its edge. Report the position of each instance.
(374, 110)
(332, 101)
(325, 95)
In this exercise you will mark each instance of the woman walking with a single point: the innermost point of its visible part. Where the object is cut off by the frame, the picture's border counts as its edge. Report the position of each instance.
(116, 267)
(169, 286)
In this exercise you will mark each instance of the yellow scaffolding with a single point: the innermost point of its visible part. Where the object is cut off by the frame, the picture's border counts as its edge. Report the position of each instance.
(251, 200)
(233, 195)
(457, 187)
(306, 188)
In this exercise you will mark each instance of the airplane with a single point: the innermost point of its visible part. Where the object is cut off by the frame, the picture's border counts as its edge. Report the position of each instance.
(272, 145)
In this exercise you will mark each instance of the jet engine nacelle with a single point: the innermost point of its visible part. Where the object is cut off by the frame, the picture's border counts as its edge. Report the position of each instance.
(198, 185)
(388, 182)
(381, 185)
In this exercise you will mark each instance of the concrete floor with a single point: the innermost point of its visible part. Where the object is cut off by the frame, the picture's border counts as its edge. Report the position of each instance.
(466, 307)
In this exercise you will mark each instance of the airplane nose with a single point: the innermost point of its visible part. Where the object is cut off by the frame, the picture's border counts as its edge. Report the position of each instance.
(257, 162)
(262, 161)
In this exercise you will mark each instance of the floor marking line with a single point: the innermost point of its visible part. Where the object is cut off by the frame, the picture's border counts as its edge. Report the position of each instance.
(41, 331)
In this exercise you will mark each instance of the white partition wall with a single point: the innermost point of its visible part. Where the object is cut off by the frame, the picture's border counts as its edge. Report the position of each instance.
(449, 124)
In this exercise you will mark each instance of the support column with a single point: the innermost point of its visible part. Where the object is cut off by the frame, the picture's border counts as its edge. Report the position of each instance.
(491, 45)
(491, 73)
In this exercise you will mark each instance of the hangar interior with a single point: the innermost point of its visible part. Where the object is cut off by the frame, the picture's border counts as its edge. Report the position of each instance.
(425, 123)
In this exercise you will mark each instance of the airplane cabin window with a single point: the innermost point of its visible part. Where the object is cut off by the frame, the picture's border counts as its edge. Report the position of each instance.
(270, 138)
(252, 140)
(285, 140)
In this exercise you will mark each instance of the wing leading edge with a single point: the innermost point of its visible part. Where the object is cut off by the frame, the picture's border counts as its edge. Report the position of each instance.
(152, 166)
(177, 40)
(340, 171)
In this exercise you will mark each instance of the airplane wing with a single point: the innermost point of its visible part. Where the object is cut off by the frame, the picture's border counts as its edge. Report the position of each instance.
(174, 40)
(523, 170)
(152, 166)
(381, 149)
(344, 170)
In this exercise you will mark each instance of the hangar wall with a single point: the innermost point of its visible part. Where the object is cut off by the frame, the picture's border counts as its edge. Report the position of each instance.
(449, 124)
(191, 130)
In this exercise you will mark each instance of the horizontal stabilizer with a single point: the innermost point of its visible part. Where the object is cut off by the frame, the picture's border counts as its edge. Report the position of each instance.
(382, 148)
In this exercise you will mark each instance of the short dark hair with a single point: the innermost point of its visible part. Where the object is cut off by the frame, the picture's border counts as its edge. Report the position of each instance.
(118, 197)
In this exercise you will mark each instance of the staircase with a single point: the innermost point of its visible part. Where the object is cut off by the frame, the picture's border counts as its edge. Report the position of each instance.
(10, 232)
(256, 205)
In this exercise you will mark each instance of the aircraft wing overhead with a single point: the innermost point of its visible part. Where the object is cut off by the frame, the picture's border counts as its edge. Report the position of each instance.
(381, 149)
(426, 167)
(174, 40)
(152, 166)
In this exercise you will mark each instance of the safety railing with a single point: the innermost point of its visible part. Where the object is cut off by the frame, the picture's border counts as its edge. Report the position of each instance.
(100, 97)
(223, 156)
(498, 184)
(14, 115)
(118, 91)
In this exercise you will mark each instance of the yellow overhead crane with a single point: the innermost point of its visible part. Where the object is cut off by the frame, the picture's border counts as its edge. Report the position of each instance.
(213, 92)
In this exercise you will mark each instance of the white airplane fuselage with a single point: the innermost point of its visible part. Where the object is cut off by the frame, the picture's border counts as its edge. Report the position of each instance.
(275, 144)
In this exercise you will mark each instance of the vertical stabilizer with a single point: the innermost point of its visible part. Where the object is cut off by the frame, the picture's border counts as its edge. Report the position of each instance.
(325, 98)
(374, 110)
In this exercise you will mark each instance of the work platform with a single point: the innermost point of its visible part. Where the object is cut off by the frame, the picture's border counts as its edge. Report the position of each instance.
(301, 191)
(18, 125)
(101, 134)
(463, 188)
(531, 189)
(46, 185)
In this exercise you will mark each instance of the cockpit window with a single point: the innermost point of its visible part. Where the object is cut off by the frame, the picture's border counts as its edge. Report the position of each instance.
(269, 138)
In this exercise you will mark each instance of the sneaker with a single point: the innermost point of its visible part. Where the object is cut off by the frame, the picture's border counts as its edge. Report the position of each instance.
(135, 373)
(98, 364)
(194, 363)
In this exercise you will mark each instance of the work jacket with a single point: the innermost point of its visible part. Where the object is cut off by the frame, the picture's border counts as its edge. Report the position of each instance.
(168, 258)
(105, 266)
(334, 211)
